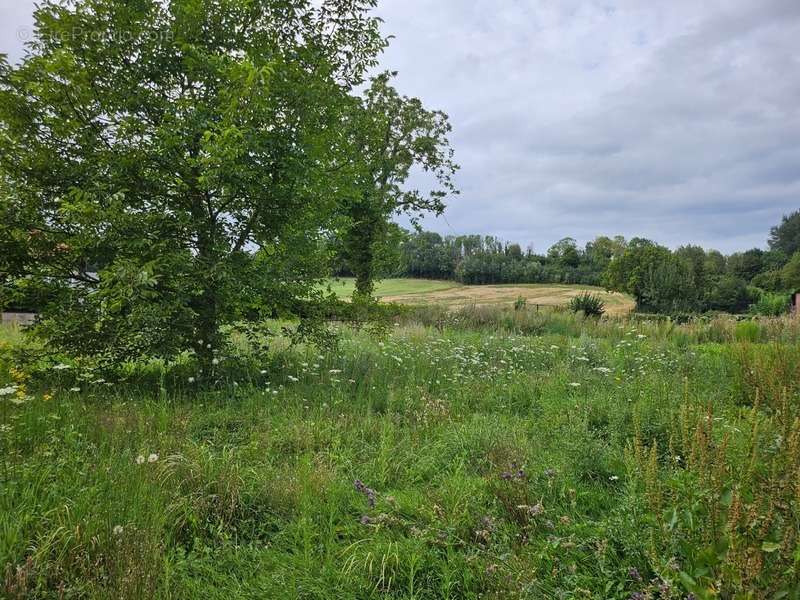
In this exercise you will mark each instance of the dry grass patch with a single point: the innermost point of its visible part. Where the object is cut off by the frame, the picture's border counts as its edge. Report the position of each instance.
(534, 294)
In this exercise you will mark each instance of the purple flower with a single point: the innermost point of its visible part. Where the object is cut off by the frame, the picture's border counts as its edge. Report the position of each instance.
(368, 492)
(637, 596)
(634, 574)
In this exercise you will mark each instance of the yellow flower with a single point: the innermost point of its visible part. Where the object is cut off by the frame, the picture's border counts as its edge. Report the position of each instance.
(47, 397)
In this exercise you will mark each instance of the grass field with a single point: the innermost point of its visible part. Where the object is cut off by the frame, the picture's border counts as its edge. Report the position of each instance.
(596, 459)
(454, 295)
(344, 287)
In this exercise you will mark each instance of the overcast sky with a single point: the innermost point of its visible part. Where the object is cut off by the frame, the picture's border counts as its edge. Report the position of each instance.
(677, 120)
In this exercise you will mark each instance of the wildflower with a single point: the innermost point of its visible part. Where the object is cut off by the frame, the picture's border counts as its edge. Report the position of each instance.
(263, 371)
(47, 397)
(61, 367)
(365, 520)
(214, 361)
(191, 380)
(368, 492)
(335, 371)
(575, 384)
(7, 391)
(533, 511)
(634, 574)
(75, 389)
(140, 460)
(292, 378)
(613, 478)
(152, 458)
(118, 530)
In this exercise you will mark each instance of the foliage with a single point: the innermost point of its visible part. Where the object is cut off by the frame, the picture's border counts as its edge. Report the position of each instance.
(390, 135)
(591, 305)
(728, 294)
(786, 236)
(790, 274)
(653, 276)
(148, 148)
(770, 304)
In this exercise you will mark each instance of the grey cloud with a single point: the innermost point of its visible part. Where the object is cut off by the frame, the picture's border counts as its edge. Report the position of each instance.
(677, 121)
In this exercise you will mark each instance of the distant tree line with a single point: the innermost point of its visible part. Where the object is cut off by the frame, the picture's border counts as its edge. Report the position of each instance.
(688, 279)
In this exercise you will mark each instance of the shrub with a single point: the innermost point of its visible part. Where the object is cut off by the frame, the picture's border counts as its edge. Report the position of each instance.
(589, 304)
(770, 304)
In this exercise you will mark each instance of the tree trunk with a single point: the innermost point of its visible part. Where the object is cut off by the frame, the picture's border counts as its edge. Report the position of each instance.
(206, 305)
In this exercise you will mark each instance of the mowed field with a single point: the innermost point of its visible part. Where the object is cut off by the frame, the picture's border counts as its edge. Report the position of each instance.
(424, 291)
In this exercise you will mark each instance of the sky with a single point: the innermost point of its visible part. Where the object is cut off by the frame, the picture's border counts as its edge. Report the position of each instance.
(675, 120)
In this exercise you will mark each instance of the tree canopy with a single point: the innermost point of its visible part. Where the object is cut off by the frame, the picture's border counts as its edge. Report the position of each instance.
(148, 149)
(786, 236)
(391, 135)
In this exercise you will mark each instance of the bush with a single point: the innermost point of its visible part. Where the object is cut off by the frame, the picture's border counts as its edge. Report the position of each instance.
(589, 304)
(770, 304)
(728, 294)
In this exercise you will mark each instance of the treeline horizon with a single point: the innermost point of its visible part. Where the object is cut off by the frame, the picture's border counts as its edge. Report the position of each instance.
(687, 279)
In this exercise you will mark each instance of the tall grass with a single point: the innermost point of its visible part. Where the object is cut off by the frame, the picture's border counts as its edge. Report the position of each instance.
(497, 454)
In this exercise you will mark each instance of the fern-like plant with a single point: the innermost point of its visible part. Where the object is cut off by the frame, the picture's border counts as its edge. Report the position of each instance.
(591, 305)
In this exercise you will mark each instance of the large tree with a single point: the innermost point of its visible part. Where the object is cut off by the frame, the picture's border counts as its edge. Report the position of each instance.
(149, 148)
(391, 136)
(657, 279)
(786, 236)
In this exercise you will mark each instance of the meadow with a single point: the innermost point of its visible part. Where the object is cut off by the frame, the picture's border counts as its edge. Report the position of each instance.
(344, 287)
(480, 453)
(454, 295)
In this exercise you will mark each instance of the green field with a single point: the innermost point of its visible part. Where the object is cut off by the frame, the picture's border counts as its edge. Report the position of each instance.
(343, 287)
(492, 454)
